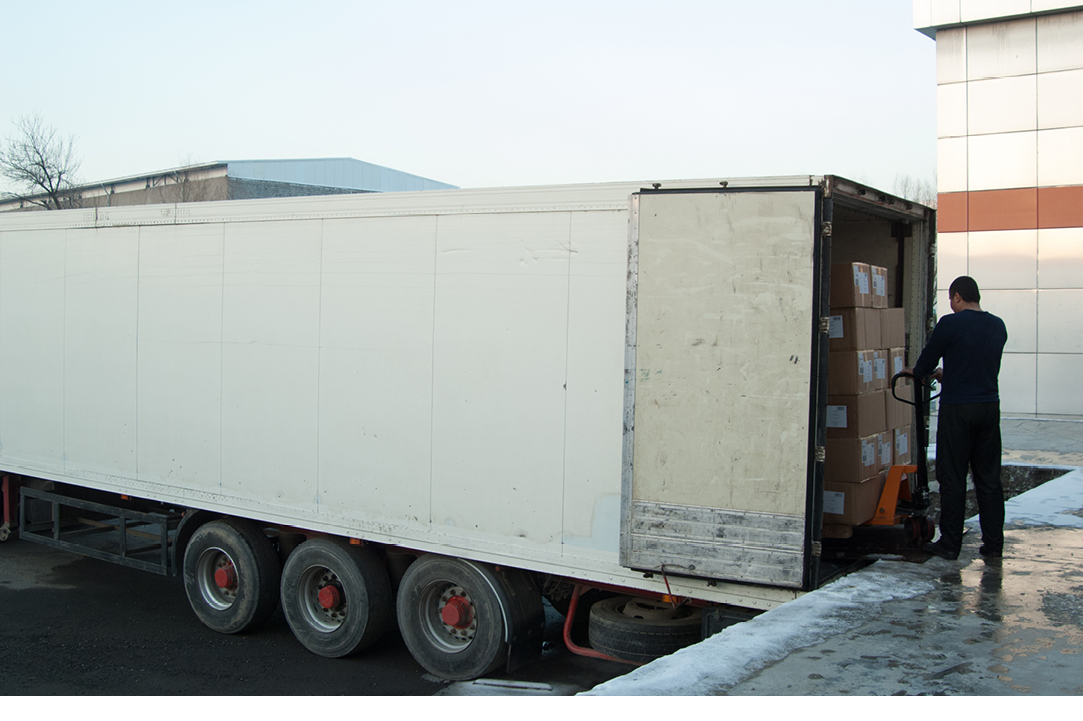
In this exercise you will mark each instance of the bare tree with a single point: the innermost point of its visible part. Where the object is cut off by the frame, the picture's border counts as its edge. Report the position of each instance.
(919, 190)
(40, 163)
(191, 190)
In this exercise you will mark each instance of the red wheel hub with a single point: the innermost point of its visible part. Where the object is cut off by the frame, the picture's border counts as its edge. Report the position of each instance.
(225, 577)
(457, 612)
(330, 597)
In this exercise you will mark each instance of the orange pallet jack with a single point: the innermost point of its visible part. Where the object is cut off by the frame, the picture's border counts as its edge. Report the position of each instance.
(903, 502)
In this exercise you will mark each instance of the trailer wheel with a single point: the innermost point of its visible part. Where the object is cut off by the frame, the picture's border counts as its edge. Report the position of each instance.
(231, 575)
(637, 629)
(451, 616)
(336, 597)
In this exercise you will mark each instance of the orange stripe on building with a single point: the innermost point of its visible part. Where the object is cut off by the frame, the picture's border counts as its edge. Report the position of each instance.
(1060, 207)
(951, 212)
(1010, 209)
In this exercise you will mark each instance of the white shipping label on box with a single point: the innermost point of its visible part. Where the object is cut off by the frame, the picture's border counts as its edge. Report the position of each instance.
(898, 365)
(835, 328)
(836, 416)
(885, 453)
(901, 444)
(861, 280)
(868, 453)
(834, 502)
(879, 284)
(881, 368)
(866, 371)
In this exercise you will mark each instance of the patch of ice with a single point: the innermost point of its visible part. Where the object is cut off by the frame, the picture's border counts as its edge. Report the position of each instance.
(1053, 503)
(740, 650)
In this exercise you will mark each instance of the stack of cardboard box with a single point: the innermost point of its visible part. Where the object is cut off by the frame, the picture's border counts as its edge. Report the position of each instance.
(868, 430)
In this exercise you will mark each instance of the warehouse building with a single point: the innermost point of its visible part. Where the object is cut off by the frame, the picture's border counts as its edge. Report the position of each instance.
(1010, 182)
(242, 179)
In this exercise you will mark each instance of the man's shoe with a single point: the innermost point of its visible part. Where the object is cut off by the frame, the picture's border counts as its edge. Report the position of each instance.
(989, 552)
(939, 549)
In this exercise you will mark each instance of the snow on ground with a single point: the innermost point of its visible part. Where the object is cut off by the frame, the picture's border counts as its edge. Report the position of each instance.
(743, 649)
(1058, 502)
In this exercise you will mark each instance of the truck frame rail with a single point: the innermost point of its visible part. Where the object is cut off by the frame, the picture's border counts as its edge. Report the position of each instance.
(98, 530)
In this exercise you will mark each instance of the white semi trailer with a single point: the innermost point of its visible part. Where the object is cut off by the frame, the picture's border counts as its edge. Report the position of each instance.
(442, 404)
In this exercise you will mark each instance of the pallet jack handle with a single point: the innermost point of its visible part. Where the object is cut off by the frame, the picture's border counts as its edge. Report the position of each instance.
(921, 401)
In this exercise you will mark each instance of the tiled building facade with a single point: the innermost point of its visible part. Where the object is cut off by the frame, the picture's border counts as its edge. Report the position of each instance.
(1010, 182)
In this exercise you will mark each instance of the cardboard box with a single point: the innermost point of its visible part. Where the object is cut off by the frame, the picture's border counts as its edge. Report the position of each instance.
(851, 286)
(852, 460)
(856, 416)
(850, 373)
(885, 449)
(896, 361)
(878, 276)
(854, 329)
(892, 328)
(852, 503)
(903, 446)
(880, 376)
(898, 414)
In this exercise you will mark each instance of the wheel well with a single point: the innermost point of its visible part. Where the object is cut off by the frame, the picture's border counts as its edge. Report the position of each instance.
(189, 524)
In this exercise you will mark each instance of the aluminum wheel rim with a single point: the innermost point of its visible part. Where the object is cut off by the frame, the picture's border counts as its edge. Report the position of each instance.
(311, 582)
(445, 636)
(209, 562)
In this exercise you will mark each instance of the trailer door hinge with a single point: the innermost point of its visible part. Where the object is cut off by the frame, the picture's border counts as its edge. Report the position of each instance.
(817, 549)
(825, 228)
(821, 454)
(825, 324)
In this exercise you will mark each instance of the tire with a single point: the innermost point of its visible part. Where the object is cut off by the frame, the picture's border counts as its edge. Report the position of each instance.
(235, 553)
(336, 597)
(641, 630)
(462, 650)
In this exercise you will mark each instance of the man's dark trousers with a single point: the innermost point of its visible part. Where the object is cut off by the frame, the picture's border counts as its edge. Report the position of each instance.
(968, 435)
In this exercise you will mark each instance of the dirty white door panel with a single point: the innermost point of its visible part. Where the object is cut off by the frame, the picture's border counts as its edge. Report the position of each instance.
(723, 337)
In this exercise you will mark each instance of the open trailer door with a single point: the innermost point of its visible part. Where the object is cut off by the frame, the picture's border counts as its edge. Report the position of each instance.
(725, 366)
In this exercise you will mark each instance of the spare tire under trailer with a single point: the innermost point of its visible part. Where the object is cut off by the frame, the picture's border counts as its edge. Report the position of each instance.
(640, 630)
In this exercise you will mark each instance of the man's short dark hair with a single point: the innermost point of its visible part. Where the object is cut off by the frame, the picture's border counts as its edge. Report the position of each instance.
(967, 288)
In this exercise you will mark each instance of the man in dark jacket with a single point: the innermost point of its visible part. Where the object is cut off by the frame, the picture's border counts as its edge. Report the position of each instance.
(970, 342)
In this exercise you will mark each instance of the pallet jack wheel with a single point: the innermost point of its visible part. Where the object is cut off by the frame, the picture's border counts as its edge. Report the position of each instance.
(921, 529)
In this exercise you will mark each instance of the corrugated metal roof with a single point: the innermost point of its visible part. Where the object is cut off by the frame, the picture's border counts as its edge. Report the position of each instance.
(333, 172)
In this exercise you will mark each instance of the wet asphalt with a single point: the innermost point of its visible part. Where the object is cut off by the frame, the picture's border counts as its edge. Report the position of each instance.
(1004, 627)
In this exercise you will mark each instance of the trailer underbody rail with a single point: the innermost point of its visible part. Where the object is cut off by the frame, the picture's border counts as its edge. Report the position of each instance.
(101, 531)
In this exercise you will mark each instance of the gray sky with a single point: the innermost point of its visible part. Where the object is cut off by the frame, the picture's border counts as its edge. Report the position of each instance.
(483, 93)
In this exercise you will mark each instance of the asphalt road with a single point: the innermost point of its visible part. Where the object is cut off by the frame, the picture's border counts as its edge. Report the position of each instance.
(71, 625)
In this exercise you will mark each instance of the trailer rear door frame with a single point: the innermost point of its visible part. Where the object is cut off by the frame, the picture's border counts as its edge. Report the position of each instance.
(725, 374)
